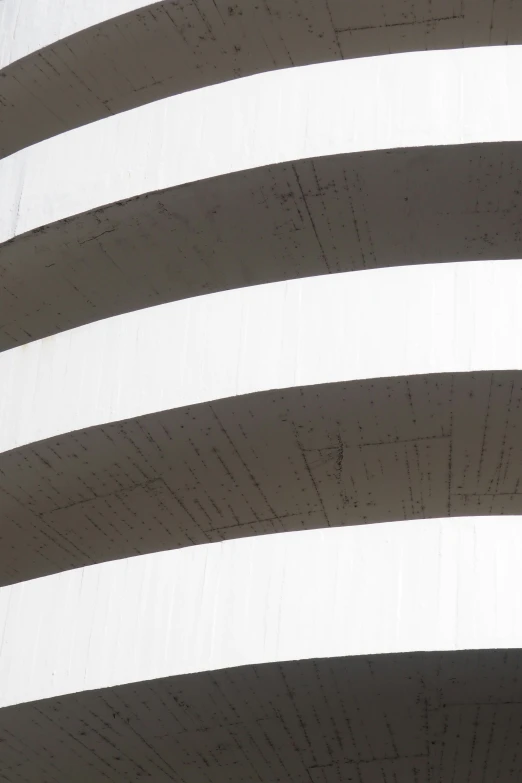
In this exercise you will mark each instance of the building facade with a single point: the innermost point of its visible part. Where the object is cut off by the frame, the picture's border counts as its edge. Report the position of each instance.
(260, 391)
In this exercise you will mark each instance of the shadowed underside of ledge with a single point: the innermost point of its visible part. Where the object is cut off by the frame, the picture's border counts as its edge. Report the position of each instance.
(166, 48)
(337, 454)
(437, 716)
(310, 217)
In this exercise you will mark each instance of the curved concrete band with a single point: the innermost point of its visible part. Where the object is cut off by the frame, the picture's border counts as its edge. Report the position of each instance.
(68, 63)
(248, 412)
(308, 457)
(317, 215)
(290, 220)
(439, 716)
(283, 608)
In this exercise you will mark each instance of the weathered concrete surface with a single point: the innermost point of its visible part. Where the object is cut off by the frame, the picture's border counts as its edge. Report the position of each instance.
(339, 712)
(311, 217)
(157, 50)
(411, 100)
(394, 395)
(291, 219)
(314, 457)
(136, 461)
(422, 716)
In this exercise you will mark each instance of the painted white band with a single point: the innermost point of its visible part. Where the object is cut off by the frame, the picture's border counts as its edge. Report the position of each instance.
(448, 584)
(439, 318)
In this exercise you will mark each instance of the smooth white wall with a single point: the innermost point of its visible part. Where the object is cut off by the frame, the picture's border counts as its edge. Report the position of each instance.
(450, 584)
(386, 322)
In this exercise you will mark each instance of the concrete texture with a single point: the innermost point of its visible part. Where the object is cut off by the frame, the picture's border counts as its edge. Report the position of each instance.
(280, 222)
(326, 707)
(52, 82)
(132, 249)
(339, 650)
(399, 101)
(136, 461)
(421, 716)
(314, 457)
